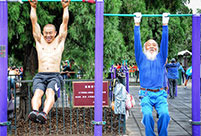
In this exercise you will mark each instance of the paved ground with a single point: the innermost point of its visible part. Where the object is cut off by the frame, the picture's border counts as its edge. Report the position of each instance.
(179, 109)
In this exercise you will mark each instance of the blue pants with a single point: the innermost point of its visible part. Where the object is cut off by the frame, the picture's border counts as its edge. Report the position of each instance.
(172, 87)
(158, 100)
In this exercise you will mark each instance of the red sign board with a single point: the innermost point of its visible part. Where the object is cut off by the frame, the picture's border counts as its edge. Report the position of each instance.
(83, 94)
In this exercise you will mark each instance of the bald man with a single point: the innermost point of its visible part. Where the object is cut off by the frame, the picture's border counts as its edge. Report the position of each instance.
(49, 48)
(151, 68)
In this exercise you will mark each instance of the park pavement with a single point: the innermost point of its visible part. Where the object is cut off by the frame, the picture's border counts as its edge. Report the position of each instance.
(179, 110)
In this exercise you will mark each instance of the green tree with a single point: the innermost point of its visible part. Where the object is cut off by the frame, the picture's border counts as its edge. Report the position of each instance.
(118, 31)
(179, 27)
(80, 42)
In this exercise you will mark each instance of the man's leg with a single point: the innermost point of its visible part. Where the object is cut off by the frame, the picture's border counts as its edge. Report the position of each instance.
(147, 120)
(36, 100)
(136, 76)
(49, 102)
(182, 78)
(36, 103)
(164, 118)
(170, 87)
(187, 78)
(12, 86)
(174, 87)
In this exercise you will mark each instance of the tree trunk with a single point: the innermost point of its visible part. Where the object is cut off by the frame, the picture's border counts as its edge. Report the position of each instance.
(30, 65)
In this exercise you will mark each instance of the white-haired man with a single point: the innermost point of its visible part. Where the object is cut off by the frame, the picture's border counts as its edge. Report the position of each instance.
(151, 68)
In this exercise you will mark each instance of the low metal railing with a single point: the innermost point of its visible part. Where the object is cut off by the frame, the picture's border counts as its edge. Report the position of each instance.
(63, 118)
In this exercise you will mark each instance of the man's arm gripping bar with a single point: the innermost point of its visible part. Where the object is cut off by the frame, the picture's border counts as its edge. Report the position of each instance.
(89, 1)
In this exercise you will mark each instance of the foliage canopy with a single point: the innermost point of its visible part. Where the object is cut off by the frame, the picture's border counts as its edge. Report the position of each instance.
(80, 42)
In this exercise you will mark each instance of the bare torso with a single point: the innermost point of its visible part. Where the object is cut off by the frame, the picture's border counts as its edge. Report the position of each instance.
(49, 55)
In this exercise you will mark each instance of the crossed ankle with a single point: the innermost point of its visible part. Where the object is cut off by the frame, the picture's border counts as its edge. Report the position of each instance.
(42, 117)
(44, 112)
(36, 111)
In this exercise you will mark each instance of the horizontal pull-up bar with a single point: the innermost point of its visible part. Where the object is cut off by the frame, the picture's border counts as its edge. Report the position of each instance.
(45, 0)
(21, 1)
(150, 15)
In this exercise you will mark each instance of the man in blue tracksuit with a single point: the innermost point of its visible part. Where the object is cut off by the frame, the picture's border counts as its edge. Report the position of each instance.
(151, 68)
(173, 75)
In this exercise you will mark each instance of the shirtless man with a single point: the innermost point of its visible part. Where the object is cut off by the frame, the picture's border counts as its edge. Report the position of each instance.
(49, 49)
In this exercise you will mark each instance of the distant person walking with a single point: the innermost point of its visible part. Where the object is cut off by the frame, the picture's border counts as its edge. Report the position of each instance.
(188, 75)
(181, 73)
(173, 75)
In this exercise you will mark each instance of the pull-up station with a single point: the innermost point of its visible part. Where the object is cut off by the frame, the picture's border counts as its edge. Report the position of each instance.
(149, 15)
(99, 41)
(43, 0)
(89, 1)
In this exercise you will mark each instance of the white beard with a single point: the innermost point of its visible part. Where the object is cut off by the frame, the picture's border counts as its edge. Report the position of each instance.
(149, 55)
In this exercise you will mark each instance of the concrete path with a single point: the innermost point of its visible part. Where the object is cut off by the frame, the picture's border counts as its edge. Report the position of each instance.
(179, 109)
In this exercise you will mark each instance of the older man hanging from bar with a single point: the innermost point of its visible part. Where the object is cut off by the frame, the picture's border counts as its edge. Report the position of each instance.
(151, 68)
(49, 48)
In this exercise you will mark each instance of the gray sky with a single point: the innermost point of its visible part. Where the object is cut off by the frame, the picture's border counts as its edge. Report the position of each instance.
(194, 5)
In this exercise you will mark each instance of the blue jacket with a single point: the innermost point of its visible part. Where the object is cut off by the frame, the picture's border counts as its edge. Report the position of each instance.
(181, 68)
(172, 69)
(189, 71)
(165, 80)
(151, 72)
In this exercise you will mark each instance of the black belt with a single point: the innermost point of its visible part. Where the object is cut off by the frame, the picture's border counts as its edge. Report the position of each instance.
(151, 90)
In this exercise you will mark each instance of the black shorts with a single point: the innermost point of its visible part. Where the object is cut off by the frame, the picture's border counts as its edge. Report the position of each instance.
(45, 80)
(188, 77)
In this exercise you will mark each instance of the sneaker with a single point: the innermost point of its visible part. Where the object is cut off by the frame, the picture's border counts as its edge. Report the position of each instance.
(157, 115)
(42, 117)
(33, 116)
(170, 97)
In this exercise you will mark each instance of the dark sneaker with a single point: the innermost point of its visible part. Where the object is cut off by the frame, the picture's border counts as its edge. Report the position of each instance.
(33, 116)
(42, 117)
(157, 115)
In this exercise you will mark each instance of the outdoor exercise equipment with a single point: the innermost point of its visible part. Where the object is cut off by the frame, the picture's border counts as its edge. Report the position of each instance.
(149, 15)
(3, 67)
(21, 1)
(99, 36)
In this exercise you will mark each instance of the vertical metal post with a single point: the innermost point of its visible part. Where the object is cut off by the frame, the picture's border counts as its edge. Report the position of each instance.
(127, 79)
(99, 35)
(111, 70)
(196, 74)
(3, 64)
(115, 71)
(110, 87)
